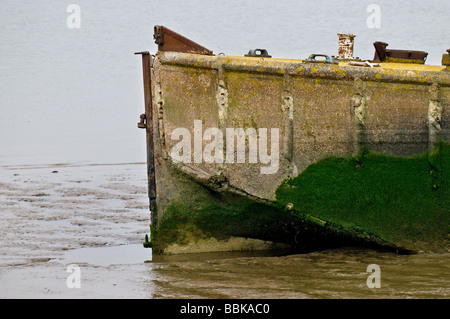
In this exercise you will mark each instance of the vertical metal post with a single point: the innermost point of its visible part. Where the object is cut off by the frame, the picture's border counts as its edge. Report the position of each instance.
(146, 68)
(345, 50)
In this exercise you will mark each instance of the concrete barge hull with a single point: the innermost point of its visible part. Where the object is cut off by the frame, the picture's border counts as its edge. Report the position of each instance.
(209, 195)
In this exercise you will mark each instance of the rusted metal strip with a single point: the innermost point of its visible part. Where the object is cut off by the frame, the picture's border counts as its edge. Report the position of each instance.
(403, 56)
(148, 117)
(168, 40)
(446, 59)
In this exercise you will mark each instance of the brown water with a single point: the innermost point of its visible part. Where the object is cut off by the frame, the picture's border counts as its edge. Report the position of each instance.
(96, 216)
(339, 273)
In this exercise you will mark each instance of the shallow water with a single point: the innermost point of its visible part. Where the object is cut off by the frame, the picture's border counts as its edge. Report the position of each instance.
(338, 273)
(96, 217)
(73, 188)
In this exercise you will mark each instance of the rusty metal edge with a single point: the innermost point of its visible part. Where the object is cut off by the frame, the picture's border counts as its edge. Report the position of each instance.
(148, 99)
(180, 44)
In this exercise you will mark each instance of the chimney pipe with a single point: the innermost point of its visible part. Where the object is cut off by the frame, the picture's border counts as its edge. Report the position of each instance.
(345, 50)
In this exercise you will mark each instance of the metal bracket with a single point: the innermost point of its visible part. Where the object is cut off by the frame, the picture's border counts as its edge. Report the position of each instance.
(312, 58)
(446, 59)
(328, 59)
(258, 53)
(143, 122)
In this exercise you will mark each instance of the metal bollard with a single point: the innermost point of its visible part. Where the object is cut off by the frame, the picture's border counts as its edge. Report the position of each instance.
(345, 50)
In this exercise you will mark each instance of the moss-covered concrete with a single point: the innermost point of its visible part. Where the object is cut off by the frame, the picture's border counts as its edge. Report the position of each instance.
(400, 203)
(224, 216)
(404, 200)
(324, 113)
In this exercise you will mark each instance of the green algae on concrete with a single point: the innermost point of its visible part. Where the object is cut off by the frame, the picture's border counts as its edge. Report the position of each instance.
(226, 216)
(403, 200)
(215, 218)
(368, 199)
(211, 214)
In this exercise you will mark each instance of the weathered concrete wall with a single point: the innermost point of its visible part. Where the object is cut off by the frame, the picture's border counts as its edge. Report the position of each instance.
(320, 109)
(445, 108)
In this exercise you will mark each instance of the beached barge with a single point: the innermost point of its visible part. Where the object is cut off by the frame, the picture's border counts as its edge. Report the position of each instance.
(257, 152)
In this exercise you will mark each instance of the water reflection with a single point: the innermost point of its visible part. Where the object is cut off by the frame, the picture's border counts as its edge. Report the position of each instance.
(337, 273)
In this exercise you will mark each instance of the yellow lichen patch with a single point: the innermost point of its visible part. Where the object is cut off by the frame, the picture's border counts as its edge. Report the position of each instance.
(338, 70)
(378, 76)
(314, 70)
(412, 66)
(275, 82)
(300, 82)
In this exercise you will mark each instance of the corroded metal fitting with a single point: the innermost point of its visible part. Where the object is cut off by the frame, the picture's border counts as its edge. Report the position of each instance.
(345, 50)
(446, 59)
